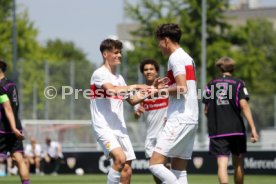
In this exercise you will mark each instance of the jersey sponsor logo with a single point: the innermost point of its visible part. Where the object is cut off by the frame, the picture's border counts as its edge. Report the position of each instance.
(190, 74)
(155, 104)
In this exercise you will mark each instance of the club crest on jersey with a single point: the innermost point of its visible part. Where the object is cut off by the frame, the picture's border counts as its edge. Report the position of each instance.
(107, 145)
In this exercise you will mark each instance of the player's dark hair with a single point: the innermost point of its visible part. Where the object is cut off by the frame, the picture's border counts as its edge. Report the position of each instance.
(226, 64)
(148, 61)
(3, 65)
(171, 31)
(109, 44)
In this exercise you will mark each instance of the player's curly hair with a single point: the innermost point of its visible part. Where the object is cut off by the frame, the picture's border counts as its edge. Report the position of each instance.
(148, 61)
(109, 44)
(226, 64)
(170, 30)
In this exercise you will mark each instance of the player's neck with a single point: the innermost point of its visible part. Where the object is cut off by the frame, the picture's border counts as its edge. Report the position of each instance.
(111, 68)
(149, 83)
(173, 48)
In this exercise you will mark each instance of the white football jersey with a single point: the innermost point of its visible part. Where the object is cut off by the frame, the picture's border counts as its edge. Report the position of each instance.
(154, 115)
(183, 107)
(106, 110)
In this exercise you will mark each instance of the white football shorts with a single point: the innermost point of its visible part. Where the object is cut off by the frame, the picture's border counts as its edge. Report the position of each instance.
(109, 141)
(176, 139)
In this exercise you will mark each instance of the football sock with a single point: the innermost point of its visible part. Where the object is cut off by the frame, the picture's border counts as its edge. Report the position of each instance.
(164, 174)
(113, 176)
(181, 176)
(25, 181)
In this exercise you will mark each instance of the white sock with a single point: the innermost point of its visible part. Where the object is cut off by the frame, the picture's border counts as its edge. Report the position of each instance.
(181, 176)
(113, 176)
(164, 174)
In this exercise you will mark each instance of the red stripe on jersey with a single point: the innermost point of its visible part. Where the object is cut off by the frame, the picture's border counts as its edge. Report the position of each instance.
(190, 74)
(101, 93)
(155, 104)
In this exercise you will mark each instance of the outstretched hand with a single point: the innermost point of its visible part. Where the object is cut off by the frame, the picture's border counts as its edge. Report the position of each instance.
(161, 83)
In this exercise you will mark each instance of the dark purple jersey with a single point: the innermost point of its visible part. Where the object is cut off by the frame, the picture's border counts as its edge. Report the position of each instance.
(7, 87)
(223, 95)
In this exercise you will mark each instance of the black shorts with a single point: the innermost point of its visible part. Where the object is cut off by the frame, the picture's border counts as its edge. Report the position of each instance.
(227, 145)
(9, 143)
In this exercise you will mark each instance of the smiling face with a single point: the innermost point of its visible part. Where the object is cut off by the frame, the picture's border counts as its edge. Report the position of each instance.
(113, 57)
(150, 72)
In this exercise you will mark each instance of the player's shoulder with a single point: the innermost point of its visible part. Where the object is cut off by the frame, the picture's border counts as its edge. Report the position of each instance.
(180, 56)
(238, 80)
(100, 72)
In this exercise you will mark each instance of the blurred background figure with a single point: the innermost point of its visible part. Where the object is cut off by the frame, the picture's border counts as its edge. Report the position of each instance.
(53, 154)
(33, 154)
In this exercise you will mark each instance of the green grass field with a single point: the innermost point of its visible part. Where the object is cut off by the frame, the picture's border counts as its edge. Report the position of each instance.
(136, 179)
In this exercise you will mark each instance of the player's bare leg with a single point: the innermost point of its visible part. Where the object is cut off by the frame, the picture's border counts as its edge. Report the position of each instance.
(126, 173)
(22, 168)
(238, 169)
(179, 167)
(222, 162)
(119, 161)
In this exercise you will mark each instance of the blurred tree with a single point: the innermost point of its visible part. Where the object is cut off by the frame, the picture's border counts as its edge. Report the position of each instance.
(187, 13)
(255, 46)
(247, 44)
(31, 64)
(61, 55)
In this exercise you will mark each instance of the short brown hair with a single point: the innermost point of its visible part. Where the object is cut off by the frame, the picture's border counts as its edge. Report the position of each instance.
(226, 64)
(109, 44)
(170, 30)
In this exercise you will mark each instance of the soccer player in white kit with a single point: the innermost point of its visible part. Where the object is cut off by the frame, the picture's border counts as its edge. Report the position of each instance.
(153, 110)
(108, 90)
(176, 140)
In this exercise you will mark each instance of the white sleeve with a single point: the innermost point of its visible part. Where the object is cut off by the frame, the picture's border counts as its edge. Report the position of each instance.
(100, 79)
(178, 67)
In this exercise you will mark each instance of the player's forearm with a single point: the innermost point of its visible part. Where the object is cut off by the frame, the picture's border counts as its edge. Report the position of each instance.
(120, 90)
(174, 91)
(139, 97)
(10, 116)
(248, 116)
